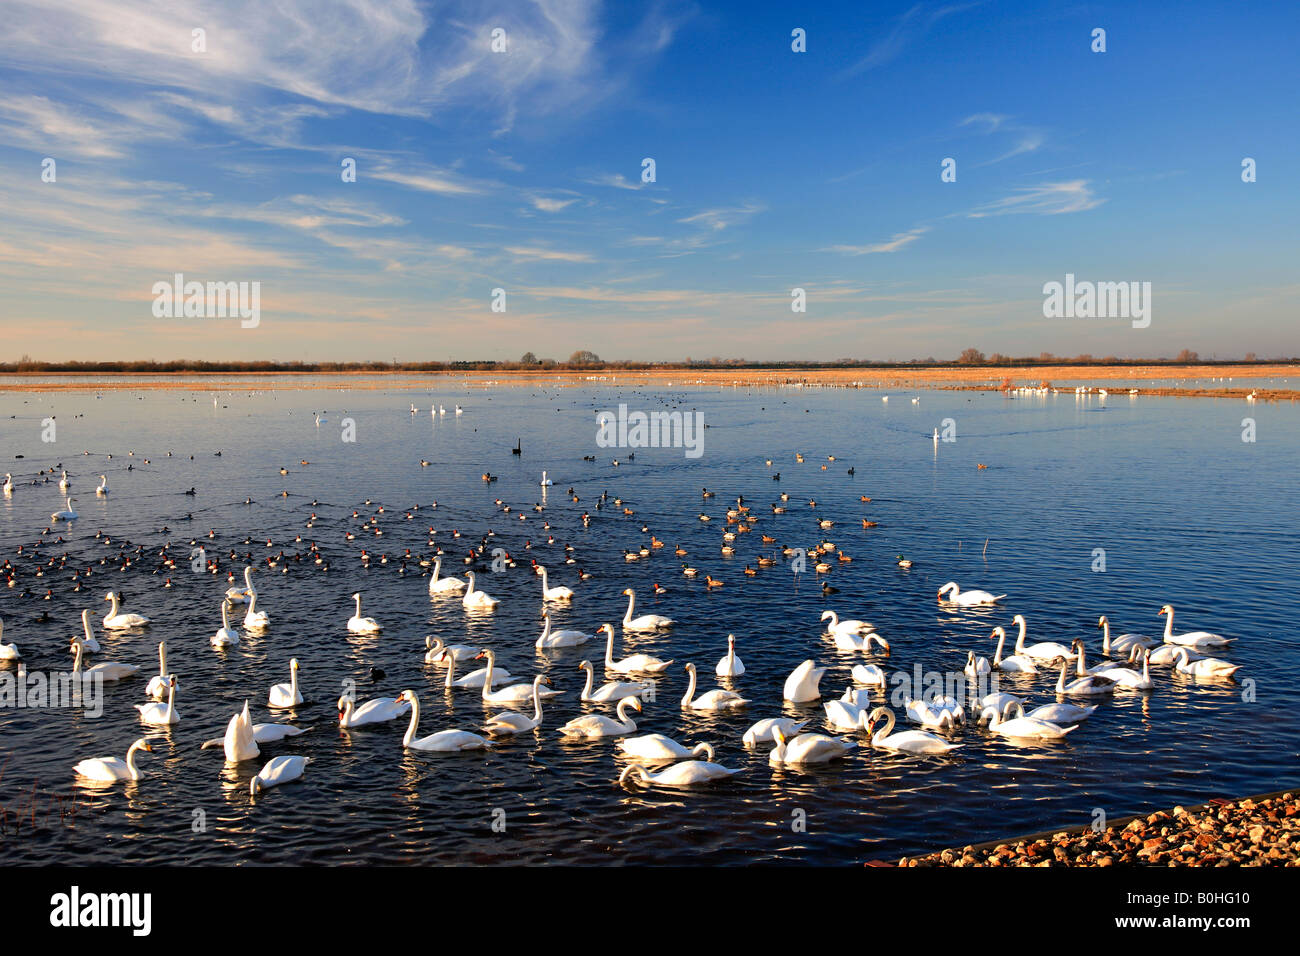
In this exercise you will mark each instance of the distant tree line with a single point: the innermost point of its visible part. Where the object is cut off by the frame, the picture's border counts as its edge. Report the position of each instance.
(584, 360)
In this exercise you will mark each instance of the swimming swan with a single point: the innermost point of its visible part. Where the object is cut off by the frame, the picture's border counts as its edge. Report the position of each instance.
(730, 665)
(114, 620)
(441, 585)
(614, 690)
(512, 694)
(227, 636)
(764, 731)
(684, 774)
(552, 639)
(157, 686)
(362, 625)
(513, 723)
(377, 710)
(905, 741)
(716, 699)
(1022, 726)
(646, 622)
(806, 749)
(160, 715)
(642, 663)
(283, 696)
(559, 593)
(658, 747)
(113, 768)
(973, 598)
(444, 741)
(598, 725)
(478, 599)
(1197, 639)
(1016, 663)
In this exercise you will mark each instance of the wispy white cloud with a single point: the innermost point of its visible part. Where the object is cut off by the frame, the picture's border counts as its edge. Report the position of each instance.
(1045, 199)
(724, 217)
(898, 241)
(548, 255)
(907, 30)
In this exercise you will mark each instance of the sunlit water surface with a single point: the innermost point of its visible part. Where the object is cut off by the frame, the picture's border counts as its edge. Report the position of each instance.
(1186, 512)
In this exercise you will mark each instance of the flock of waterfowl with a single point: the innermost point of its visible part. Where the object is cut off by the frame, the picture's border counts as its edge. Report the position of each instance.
(515, 704)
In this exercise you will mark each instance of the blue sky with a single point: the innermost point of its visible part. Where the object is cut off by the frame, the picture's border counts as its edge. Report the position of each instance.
(522, 171)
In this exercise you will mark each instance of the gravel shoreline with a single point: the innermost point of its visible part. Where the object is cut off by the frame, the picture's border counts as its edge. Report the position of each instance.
(1253, 831)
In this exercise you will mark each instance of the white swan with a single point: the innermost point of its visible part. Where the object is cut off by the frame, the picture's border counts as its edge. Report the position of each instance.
(1122, 644)
(544, 482)
(658, 747)
(871, 675)
(9, 484)
(551, 639)
(103, 485)
(68, 514)
(511, 694)
(513, 723)
(905, 741)
(284, 696)
(239, 742)
(646, 622)
(227, 636)
(716, 699)
(475, 678)
(1042, 651)
(65, 482)
(256, 620)
(598, 725)
(435, 649)
(806, 749)
(8, 652)
(444, 741)
(441, 585)
(802, 684)
(843, 714)
(116, 621)
(157, 686)
(852, 626)
(477, 599)
(1127, 676)
(730, 665)
(161, 715)
(377, 710)
(362, 625)
(972, 598)
(846, 641)
(1205, 666)
(1022, 726)
(278, 770)
(976, 665)
(1196, 639)
(1016, 663)
(684, 774)
(940, 712)
(614, 690)
(239, 595)
(113, 768)
(764, 731)
(109, 670)
(1083, 686)
(637, 663)
(1062, 713)
(559, 593)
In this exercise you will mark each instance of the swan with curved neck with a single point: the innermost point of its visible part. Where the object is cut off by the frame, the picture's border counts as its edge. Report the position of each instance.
(806, 749)
(549, 593)
(477, 599)
(109, 670)
(159, 715)
(1016, 663)
(103, 485)
(1044, 650)
(730, 665)
(378, 710)
(1023, 727)
(972, 598)
(1122, 644)
(513, 723)
(642, 663)
(444, 741)
(278, 770)
(67, 514)
(716, 699)
(659, 747)
(906, 741)
(227, 636)
(552, 639)
(646, 622)
(157, 686)
(434, 649)
(117, 621)
(1196, 639)
(441, 585)
(109, 769)
(851, 626)
(688, 773)
(475, 678)
(1203, 667)
(613, 690)
(598, 725)
(763, 731)
(283, 696)
(1083, 686)
(512, 694)
(362, 625)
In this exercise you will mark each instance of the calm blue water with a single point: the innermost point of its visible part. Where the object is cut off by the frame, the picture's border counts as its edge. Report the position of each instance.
(1187, 513)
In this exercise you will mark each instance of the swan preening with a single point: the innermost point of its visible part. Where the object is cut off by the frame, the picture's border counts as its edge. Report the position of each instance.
(657, 747)
(278, 770)
(972, 598)
(108, 769)
(764, 732)
(684, 774)
(598, 725)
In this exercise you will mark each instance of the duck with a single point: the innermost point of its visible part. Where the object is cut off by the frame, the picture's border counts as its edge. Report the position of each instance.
(714, 700)
(637, 663)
